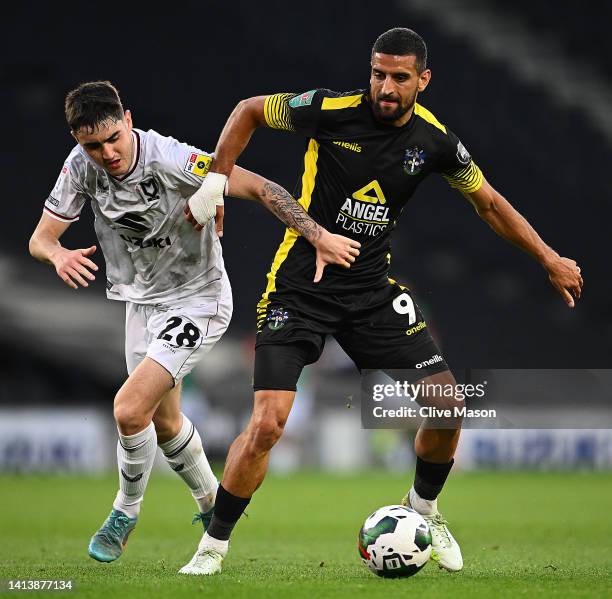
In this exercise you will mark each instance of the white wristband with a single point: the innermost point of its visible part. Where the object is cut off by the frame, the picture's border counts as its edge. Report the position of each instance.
(203, 203)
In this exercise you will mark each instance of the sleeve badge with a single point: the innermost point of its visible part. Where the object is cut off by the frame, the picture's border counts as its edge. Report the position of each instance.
(304, 99)
(463, 156)
(198, 164)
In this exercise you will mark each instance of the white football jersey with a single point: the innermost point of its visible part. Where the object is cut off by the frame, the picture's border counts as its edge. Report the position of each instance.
(153, 255)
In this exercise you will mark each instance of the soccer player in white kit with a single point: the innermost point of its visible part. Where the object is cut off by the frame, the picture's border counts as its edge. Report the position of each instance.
(170, 275)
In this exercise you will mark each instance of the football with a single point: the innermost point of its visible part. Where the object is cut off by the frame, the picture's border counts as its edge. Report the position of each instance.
(395, 542)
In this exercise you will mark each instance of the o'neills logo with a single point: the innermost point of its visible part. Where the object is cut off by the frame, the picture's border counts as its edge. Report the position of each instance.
(433, 360)
(416, 328)
(348, 145)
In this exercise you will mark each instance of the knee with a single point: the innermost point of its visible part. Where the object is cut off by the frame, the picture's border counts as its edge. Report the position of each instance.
(436, 444)
(264, 432)
(129, 421)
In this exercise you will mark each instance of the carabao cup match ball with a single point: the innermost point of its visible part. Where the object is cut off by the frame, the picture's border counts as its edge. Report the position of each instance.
(395, 542)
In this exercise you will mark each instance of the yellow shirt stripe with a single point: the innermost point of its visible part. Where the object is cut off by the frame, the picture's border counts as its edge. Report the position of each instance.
(308, 183)
(429, 117)
(342, 102)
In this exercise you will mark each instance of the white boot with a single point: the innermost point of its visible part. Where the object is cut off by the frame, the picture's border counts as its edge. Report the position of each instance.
(208, 559)
(445, 550)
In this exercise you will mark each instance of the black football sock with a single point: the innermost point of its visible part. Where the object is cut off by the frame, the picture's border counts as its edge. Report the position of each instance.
(228, 509)
(429, 478)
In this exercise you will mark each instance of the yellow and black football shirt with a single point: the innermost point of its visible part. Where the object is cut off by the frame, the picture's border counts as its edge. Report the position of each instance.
(358, 175)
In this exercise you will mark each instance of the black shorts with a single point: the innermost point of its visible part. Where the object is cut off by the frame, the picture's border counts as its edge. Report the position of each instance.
(380, 328)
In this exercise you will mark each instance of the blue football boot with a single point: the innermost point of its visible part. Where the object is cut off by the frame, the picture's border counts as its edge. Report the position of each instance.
(108, 543)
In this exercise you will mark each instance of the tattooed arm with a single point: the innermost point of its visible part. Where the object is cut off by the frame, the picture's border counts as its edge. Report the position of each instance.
(249, 186)
(330, 248)
(281, 203)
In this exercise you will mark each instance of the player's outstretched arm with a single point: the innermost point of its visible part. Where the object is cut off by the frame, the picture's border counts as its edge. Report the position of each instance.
(72, 266)
(494, 209)
(330, 248)
(245, 118)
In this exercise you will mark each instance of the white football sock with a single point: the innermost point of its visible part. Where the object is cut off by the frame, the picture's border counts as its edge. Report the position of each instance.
(186, 457)
(425, 507)
(208, 542)
(135, 455)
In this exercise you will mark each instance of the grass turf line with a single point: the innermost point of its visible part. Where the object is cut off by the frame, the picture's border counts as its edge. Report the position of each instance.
(522, 534)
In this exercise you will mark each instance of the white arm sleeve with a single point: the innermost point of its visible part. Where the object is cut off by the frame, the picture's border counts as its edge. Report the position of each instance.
(67, 197)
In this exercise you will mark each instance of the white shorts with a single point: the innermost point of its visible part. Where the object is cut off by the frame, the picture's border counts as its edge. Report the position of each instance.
(176, 336)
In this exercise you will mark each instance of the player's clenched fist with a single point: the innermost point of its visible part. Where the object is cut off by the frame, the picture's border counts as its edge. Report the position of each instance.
(334, 249)
(74, 265)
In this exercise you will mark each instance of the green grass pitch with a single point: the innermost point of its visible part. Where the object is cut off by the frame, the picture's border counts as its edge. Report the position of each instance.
(522, 535)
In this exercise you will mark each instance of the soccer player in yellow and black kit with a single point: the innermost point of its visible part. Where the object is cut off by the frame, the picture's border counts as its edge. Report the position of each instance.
(368, 150)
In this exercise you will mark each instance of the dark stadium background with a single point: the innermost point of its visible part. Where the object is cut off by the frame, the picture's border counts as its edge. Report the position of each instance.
(527, 87)
(181, 70)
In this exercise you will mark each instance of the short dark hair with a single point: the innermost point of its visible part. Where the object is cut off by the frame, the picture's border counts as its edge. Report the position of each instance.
(401, 41)
(91, 104)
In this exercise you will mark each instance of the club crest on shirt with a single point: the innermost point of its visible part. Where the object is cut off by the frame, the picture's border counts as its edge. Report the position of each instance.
(414, 159)
(149, 189)
(101, 188)
(277, 318)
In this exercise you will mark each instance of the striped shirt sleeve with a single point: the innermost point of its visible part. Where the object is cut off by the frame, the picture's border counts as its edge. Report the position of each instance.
(467, 180)
(277, 112)
(298, 113)
(57, 216)
(456, 165)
